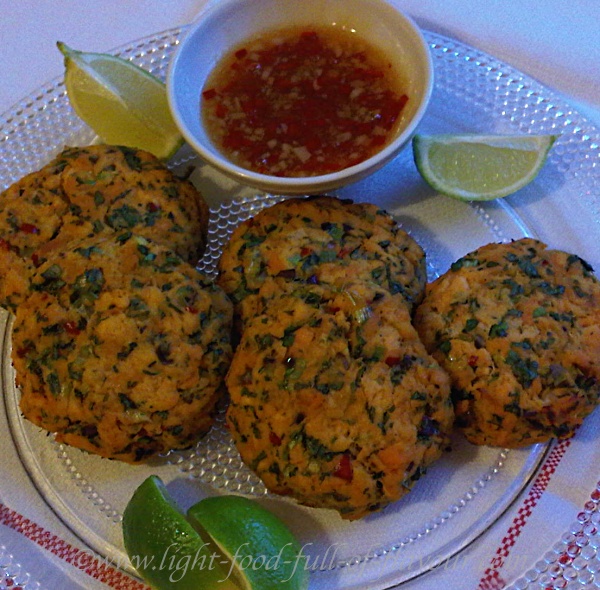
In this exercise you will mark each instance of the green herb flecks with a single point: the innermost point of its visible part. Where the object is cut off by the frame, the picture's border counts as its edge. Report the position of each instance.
(334, 230)
(550, 289)
(127, 402)
(315, 448)
(257, 460)
(464, 262)
(53, 382)
(499, 330)
(525, 370)
(87, 288)
(386, 419)
(52, 282)
(294, 367)
(525, 263)
(137, 308)
(513, 407)
(428, 429)
(131, 157)
(289, 335)
(87, 252)
(125, 217)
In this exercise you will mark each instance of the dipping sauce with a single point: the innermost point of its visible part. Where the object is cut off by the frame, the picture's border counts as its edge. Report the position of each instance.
(302, 102)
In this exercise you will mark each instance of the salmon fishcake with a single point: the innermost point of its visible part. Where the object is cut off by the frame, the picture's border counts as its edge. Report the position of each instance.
(333, 398)
(31, 212)
(129, 189)
(321, 240)
(517, 327)
(121, 348)
(92, 191)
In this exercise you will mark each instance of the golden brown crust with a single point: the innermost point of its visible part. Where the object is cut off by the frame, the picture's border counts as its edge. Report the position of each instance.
(334, 399)
(89, 191)
(121, 348)
(517, 327)
(322, 240)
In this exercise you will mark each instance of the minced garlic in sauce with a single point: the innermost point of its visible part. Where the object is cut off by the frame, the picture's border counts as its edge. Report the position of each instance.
(301, 102)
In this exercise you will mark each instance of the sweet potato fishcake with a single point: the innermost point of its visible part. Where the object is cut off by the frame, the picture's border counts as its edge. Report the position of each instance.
(128, 189)
(90, 191)
(334, 399)
(31, 212)
(517, 327)
(322, 240)
(121, 348)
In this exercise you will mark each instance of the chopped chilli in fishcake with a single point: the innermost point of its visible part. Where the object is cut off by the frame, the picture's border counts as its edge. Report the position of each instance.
(517, 328)
(121, 347)
(302, 102)
(322, 240)
(334, 399)
(93, 191)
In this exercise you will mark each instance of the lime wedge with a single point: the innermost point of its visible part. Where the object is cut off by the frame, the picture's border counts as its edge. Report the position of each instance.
(225, 543)
(480, 167)
(122, 103)
(163, 546)
(262, 551)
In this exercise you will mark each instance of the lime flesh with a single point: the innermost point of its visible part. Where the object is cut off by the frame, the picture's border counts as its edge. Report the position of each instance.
(122, 103)
(480, 167)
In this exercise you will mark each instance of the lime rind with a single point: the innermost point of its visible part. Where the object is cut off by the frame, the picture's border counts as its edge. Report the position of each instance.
(224, 543)
(164, 547)
(261, 549)
(523, 142)
(472, 167)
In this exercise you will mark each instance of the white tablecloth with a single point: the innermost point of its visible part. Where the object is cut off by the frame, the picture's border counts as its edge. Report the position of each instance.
(557, 42)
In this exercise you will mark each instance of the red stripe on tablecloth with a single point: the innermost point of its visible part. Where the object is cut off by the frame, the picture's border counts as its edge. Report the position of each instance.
(574, 543)
(82, 560)
(491, 579)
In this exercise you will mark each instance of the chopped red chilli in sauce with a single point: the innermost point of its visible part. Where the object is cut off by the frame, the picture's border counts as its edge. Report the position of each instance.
(302, 103)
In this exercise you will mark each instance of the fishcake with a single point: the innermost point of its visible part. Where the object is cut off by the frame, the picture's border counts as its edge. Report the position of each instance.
(90, 191)
(121, 348)
(129, 189)
(31, 212)
(517, 327)
(333, 398)
(322, 240)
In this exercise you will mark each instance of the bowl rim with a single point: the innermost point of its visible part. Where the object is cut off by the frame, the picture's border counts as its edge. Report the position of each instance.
(295, 185)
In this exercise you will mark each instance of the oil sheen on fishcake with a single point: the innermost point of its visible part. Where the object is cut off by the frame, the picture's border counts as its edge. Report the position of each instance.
(121, 348)
(334, 400)
(517, 327)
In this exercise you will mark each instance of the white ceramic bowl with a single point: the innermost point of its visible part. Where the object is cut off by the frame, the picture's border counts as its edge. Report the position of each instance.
(228, 23)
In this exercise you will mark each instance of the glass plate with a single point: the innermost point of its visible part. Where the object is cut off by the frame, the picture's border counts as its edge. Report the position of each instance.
(467, 490)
